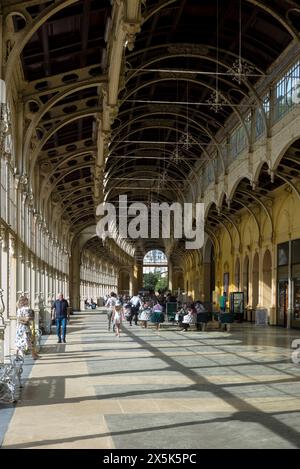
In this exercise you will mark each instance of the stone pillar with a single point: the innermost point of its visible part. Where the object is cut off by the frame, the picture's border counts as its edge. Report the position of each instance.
(250, 280)
(74, 276)
(4, 293)
(12, 313)
(38, 307)
(20, 270)
(260, 278)
(139, 277)
(273, 318)
(37, 280)
(170, 276)
(28, 275)
(206, 280)
(44, 314)
(131, 282)
(50, 283)
(2, 327)
(4, 265)
(290, 289)
(32, 281)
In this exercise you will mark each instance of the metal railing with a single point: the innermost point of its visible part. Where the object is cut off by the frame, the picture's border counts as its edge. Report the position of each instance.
(10, 379)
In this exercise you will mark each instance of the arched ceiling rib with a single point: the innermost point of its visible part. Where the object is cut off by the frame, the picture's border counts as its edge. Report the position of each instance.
(165, 127)
(171, 75)
(62, 55)
(246, 196)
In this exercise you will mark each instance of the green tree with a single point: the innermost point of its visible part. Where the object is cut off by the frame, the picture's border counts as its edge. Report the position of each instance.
(150, 280)
(155, 281)
(162, 283)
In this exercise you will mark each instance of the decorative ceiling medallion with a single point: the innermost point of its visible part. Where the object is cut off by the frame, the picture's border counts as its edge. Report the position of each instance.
(216, 101)
(240, 70)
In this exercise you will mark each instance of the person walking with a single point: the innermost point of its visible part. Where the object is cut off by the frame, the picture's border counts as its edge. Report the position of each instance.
(135, 306)
(222, 302)
(24, 335)
(145, 314)
(127, 312)
(157, 316)
(111, 303)
(118, 317)
(61, 316)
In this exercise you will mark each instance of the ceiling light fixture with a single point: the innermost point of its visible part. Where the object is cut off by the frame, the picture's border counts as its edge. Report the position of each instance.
(240, 68)
(216, 99)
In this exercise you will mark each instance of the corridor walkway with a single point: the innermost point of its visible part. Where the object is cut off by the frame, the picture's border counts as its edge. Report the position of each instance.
(165, 389)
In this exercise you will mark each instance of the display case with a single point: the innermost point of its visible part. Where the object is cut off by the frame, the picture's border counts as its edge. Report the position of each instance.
(296, 300)
(236, 305)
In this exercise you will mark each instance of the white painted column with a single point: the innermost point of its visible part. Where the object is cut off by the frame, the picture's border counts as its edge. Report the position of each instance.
(12, 292)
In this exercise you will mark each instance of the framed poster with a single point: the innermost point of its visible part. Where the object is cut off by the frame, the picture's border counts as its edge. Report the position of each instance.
(236, 302)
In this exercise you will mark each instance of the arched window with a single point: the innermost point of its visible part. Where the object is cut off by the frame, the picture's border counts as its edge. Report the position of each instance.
(155, 270)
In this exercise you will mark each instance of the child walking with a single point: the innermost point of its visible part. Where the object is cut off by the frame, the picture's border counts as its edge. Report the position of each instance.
(118, 317)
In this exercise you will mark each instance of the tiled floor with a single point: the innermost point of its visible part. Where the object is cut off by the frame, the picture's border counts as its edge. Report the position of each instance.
(166, 389)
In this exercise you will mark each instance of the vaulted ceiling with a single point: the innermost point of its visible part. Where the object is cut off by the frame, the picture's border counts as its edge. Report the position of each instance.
(165, 121)
(63, 64)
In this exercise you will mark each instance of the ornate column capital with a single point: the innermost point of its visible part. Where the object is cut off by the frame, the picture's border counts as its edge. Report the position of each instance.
(45, 228)
(36, 216)
(3, 237)
(12, 245)
(131, 28)
(21, 181)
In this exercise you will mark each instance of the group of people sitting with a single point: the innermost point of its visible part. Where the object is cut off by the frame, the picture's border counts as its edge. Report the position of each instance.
(186, 314)
(90, 303)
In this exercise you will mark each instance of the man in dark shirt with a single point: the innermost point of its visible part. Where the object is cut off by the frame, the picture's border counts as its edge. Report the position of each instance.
(60, 309)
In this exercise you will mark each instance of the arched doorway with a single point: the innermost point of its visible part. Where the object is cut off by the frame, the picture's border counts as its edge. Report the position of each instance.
(267, 280)
(155, 271)
(124, 282)
(246, 279)
(255, 280)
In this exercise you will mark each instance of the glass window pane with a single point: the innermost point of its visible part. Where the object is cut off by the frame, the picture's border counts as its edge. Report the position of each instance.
(297, 299)
(283, 254)
(296, 252)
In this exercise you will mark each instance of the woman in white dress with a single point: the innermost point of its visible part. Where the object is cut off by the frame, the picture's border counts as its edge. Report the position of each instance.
(188, 320)
(145, 315)
(24, 338)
